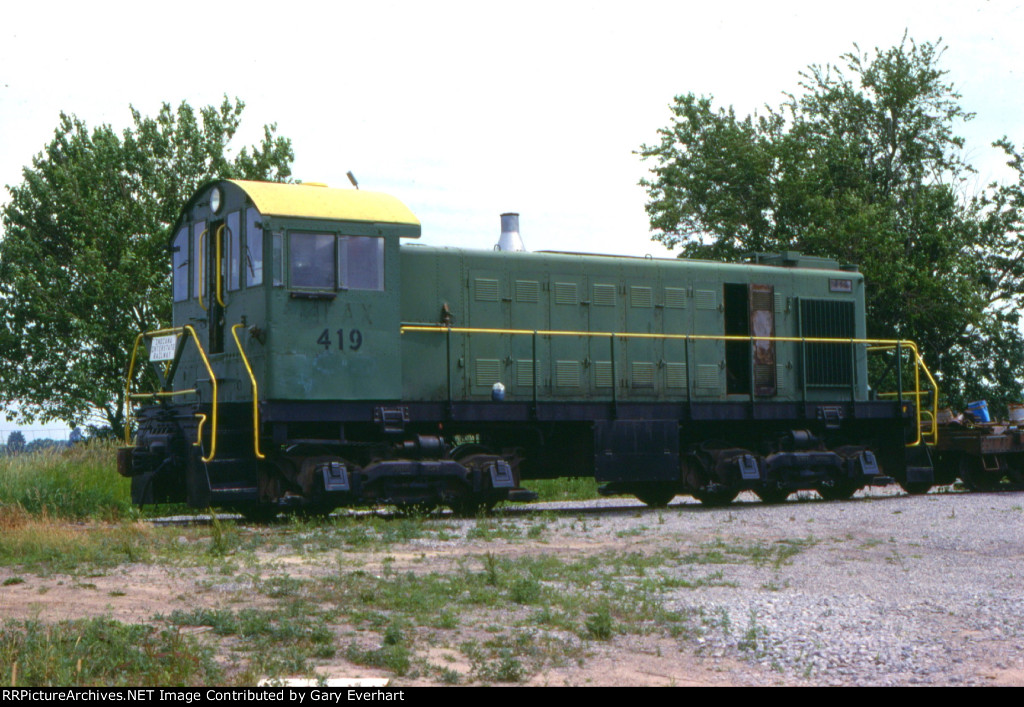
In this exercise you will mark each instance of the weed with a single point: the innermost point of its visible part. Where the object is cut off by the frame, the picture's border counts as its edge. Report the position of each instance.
(491, 570)
(724, 621)
(509, 668)
(632, 532)
(74, 483)
(279, 641)
(536, 531)
(50, 544)
(396, 657)
(223, 539)
(103, 652)
(599, 625)
(565, 489)
(489, 529)
(447, 620)
(754, 637)
(498, 662)
(525, 590)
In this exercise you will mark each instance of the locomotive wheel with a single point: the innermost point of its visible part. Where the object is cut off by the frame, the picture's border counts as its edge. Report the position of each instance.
(1015, 472)
(772, 494)
(656, 495)
(258, 512)
(976, 477)
(413, 510)
(699, 475)
(836, 490)
(917, 488)
(471, 506)
(721, 496)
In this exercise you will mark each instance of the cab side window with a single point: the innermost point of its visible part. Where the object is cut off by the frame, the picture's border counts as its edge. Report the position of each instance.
(179, 265)
(252, 262)
(199, 285)
(361, 263)
(311, 261)
(233, 246)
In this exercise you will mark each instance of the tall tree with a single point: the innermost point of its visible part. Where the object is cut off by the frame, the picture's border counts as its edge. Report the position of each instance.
(84, 262)
(862, 164)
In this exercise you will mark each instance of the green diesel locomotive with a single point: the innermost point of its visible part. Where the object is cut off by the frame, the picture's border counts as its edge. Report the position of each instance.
(319, 357)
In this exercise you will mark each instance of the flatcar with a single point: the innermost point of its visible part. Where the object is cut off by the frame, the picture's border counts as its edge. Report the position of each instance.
(319, 357)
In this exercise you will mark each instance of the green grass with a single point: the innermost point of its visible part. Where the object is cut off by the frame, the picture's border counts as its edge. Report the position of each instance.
(79, 482)
(283, 640)
(567, 489)
(101, 652)
(46, 544)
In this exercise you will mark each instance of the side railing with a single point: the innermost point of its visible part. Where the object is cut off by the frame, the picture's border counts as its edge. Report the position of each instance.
(255, 394)
(188, 332)
(925, 399)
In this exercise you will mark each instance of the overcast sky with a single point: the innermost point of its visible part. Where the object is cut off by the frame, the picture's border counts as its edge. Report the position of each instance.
(465, 110)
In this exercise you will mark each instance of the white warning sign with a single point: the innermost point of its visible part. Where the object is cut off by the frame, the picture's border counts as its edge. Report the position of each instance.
(162, 348)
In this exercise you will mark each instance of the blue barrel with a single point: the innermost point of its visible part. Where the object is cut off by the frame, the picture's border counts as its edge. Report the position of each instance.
(980, 410)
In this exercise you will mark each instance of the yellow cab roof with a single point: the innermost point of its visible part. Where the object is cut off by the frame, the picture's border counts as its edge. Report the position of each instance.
(322, 202)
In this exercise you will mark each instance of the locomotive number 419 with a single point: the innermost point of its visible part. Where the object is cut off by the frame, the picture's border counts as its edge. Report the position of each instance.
(355, 339)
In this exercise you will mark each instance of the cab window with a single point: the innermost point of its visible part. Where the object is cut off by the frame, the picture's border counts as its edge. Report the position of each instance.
(252, 263)
(198, 243)
(311, 261)
(361, 263)
(179, 265)
(232, 251)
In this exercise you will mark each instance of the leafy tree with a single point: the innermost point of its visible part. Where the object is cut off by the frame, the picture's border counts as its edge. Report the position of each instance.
(15, 442)
(863, 165)
(84, 262)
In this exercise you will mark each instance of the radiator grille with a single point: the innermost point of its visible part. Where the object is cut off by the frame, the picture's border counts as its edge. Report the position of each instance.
(827, 364)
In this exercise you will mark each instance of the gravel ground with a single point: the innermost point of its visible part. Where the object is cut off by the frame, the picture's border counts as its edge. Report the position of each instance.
(886, 589)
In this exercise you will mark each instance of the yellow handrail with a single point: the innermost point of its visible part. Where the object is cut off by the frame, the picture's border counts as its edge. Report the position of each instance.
(873, 345)
(411, 328)
(164, 394)
(190, 330)
(199, 430)
(255, 395)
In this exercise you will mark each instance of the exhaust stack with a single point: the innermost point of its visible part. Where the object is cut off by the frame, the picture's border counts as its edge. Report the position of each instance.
(510, 239)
